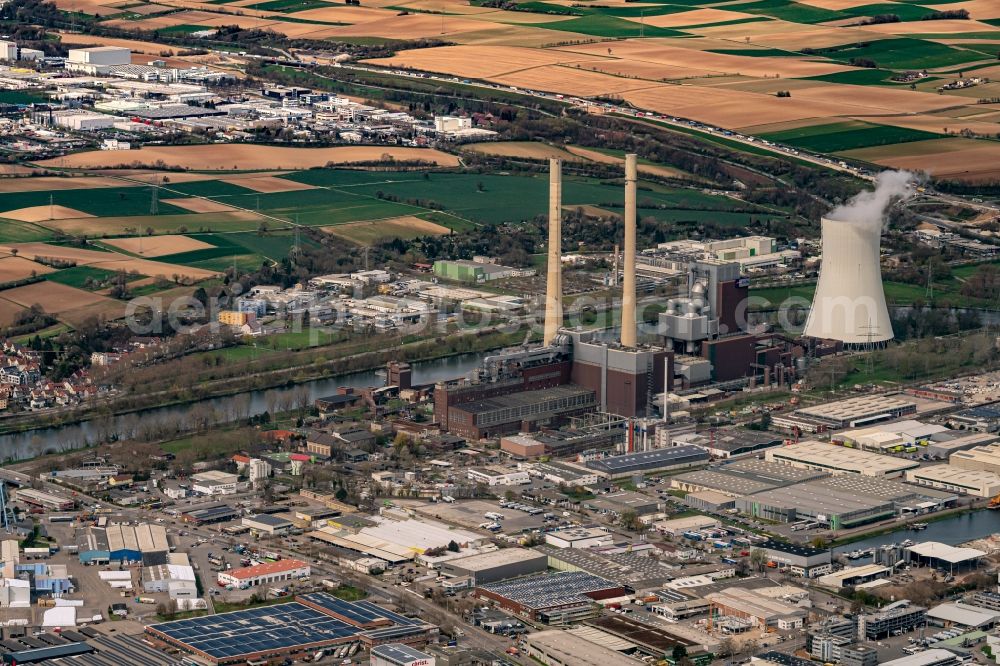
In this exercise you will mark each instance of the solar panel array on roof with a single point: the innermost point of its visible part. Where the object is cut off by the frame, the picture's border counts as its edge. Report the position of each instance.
(360, 613)
(674, 455)
(356, 614)
(255, 630)
(550, 590)
(395, 618)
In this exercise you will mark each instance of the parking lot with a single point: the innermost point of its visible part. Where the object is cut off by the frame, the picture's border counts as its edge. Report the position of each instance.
(472, 514)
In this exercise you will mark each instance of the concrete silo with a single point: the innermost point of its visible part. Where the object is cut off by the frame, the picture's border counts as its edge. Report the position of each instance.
(849, 303)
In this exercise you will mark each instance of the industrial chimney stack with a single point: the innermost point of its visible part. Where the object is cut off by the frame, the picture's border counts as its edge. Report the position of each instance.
(628, 284)
(553, 286)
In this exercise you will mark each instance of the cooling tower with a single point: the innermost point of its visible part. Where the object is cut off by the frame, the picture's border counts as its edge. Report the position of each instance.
(628, 284)
(849, 304)
(553, 285)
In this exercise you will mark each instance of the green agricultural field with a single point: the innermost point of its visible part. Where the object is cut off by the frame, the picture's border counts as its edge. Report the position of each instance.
(988, 50)
(786, 10)
(273, 245)
(495, 199)
(637, 12)
(544, 8)
(866, 77)
(323, 207)
(213, 189)
(14, 231)
(182, 29)
(992, 35)
(98, 201)
(904, 12)
(719, 24)
(83, 277)
(243, 262)
(609, 26)
(223, 247)
(290, 6)
(903, 53)
(838, 137)
(755, 53)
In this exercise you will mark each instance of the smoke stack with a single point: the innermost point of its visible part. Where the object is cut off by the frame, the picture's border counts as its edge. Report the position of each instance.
(553, 286)
(628, 284)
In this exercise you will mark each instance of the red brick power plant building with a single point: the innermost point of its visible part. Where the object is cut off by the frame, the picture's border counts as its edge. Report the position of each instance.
(521, 390)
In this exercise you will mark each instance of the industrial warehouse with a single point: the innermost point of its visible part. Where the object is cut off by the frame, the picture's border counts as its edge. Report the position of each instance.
(825, 457)
(850, 413)
(124, 543)
(554, 599)
(497, 565)
(843, 501)
(650, 462)
(291, 629)
(743, 477)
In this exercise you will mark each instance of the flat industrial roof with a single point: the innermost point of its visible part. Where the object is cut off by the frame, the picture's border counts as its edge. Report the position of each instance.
(292, 626)
(792, 548)
(269, 520)
(864, 570)
(550, 589)
(571, 648)
(946, 553)
(667, 456)
(495, 558)
(968, 478)
(35, 655)
(399, 652)
(751, 603)
(839, 459)
(744, 477)
(855, 408)
(925, 658)
(963, 614)
(263, 629)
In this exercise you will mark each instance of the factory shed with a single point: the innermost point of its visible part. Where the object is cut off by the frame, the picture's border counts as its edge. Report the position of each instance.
(563, 648)
(853, 576)
(743, 477)
(932, 657)
(650, 462)
(654, 641)
(43, 654)
(497, 565)
(937, 554)
(962, 615)
(836, 460)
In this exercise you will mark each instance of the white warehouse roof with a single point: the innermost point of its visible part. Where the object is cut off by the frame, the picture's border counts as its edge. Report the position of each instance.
(963, 615)
(925, 658)
(942, 551)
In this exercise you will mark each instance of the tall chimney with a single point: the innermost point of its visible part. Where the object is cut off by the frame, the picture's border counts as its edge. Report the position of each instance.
(628, 284)
(553, 286)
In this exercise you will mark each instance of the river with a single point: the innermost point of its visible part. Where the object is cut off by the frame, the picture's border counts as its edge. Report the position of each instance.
(952, 531)
(61, 438)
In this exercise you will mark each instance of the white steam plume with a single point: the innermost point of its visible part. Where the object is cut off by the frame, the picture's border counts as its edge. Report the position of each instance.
(869, 207)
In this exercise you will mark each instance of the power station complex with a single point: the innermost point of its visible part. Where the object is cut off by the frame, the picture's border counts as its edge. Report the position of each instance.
(701, 338)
